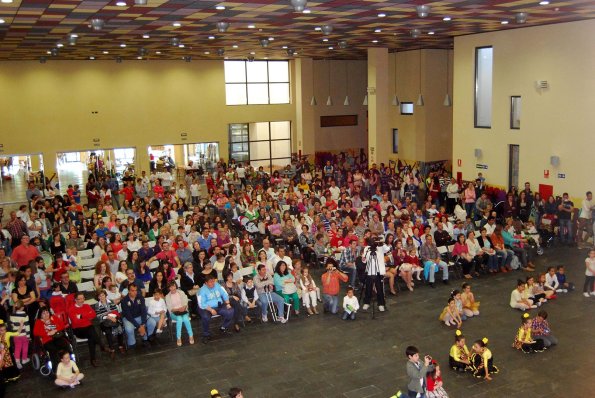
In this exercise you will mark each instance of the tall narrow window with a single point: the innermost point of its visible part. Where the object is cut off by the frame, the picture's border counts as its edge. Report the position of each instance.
(256, 82)
(484, 60)
(515, 112)
(266, 144)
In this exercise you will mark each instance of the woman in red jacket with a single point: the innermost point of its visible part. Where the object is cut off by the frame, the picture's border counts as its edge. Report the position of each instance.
(50, 329)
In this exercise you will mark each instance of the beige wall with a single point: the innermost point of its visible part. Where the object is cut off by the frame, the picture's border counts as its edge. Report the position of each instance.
(427, 134)
(558, 121)
(48, 107)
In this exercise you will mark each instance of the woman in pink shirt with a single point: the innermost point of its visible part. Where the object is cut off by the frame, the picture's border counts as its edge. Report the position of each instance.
(469, 198)
(461, 250)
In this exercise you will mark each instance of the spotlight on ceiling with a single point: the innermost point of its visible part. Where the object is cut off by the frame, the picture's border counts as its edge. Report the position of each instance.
(222, 26)
(327, 29)
(42, 60)
(298, 5)
(342, 43)
(423, 11)
(415, 33)
(54, 52)
(72, 40)
(220, 52)
(118, 60)
(521, 17)
(251, 58)
(174, 41)
(142, 52)
(187, 58)
(290, 52)
(264, 43)
(140, 2)
(97, 23)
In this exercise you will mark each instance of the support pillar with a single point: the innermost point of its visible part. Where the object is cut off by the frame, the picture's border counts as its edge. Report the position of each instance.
(379, 135)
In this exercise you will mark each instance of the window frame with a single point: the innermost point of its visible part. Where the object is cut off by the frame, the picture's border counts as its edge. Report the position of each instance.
(476, 87)
(268, 83)
(513, 106)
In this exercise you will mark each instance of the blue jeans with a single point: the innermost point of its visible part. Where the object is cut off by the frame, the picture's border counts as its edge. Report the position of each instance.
(430, 268)
(348, 316)
(565, 225)
(330, 303)
(182, 320)
(129, 328)
(205, 318)
(469, 209)
(351, 271)
(277, 301)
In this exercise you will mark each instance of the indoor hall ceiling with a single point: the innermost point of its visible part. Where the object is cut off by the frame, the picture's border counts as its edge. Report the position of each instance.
(37, 28)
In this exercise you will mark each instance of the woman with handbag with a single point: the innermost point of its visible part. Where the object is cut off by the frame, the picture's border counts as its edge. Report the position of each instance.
(177, 305)
(109, 322)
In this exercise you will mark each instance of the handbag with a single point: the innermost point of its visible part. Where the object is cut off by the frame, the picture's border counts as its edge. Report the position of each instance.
(179, 313)
(109, 323)
(59, 335)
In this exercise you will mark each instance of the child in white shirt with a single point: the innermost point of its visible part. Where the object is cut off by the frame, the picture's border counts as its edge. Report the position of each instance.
(157, 309)
(350, 305)
(194, 192)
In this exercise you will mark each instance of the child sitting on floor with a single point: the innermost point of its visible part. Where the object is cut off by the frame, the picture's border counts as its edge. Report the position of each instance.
(67, 373)
(561, 276)
(482, 360)
(459, 356)
(350, 305)
(524, 340)
(450, 315)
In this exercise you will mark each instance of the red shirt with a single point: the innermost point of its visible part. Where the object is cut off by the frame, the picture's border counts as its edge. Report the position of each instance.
(81, 317)
(59, 270)
(41, 329)
(22, 255)
(169, 255)
(128, 192)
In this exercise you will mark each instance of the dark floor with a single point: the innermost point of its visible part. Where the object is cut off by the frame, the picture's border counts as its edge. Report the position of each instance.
(322, 356)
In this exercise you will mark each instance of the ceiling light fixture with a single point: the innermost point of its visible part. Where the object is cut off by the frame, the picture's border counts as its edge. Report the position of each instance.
(544, 3)
(264, 43)
(342, 43)
(331, 48)
(374, 41)
(271, 39)
(42, 60)
(290, 52)
(381, 15)
(307, 11)
(446, 19)
(181, 45)
(72, 40)
(142, 52)
(420, 98)
(92, 58)
(54, 52)
(105, 52)
(74, 35)
(211, 37)
(140, 2)
(145, 36)
(504, 22)
(207, 52)
(235, 46)
(521, 17)
(325, 40)
(139, 57)
(187, 58)
(431, 32)
(251, 26)
(313, 101)
(2, 21)
(415, 33)
(346, 101)
(423, 11)
(6, 1)
(174, 41)
(327, 29)
(284, 47)
(298, 5)
(176, 24)
(222, 26)
(396, 101)
(220, 52)
(447, 100)
(123, 45)
(97, 23)
(158, 52)
(59, 45)
(118, 60)
(318, 28)
(220, 8)
(377, 30)
(121, 4)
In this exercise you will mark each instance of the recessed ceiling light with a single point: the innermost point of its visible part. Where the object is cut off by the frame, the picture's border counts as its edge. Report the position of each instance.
(220, 8)
(374, 41)
(146, 37)
(381, 15)
(74, 35)
(6, 1)
(235, 46)
(284, 47)
(317, 28)
(2, 21)
(211, 37)
(48, 52)
(544, 3)
(331, 48)
(91, 58)
(181, 46)
(139, 57)
(446, 18)
(271, 39)
(377, 30)
(307, 11)
(325, 40)
(251, 26)
(266, 57)
(295, 53)
(121, 4)
(177, 24)
(158, 52)
(430, 33)
(504, 22)
(252, 53)
(207, 52)
(106, 52)
(59, 45)
(122, 45)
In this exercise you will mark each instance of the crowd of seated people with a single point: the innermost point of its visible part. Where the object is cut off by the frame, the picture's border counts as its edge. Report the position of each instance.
(158, 256)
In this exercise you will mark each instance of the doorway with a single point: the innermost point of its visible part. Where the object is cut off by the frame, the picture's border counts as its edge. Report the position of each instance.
(183, 156)
(513, 166)
(15, 172)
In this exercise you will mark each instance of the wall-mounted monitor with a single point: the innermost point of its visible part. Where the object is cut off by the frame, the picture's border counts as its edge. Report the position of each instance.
(406, 108)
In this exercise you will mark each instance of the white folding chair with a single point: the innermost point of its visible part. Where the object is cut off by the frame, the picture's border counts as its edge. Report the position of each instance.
(85, 254)
(152, 243)
(86, 287)
(87, 275)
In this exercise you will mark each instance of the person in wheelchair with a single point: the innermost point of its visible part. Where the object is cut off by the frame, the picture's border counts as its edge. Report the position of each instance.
(51, 330)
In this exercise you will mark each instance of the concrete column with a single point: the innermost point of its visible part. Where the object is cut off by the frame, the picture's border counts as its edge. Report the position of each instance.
(304, 112)
(379, 133)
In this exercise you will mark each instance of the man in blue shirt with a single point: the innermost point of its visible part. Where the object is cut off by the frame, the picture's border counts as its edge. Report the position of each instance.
(101, 229)
(213, 300)
(134, 316)
(204, 241)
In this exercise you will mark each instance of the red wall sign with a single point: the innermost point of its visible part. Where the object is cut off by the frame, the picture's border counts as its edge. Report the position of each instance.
(546, 174)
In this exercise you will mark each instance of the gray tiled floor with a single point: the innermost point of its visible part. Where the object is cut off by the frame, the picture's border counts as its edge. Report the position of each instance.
(323, 356)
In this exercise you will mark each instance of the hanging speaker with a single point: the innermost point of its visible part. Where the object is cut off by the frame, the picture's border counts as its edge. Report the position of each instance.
(477, 152)
(555, 161)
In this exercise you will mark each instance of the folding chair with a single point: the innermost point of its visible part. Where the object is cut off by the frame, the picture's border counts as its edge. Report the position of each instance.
(85, 254)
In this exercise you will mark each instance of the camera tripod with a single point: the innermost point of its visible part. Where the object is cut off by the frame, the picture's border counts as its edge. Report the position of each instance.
(372, 294)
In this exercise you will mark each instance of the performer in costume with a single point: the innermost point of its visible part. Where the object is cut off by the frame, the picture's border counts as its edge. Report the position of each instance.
(482, 360)
(460, 357)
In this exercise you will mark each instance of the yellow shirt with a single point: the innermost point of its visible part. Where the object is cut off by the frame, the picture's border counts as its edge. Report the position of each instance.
(457, 352)
(524, 335)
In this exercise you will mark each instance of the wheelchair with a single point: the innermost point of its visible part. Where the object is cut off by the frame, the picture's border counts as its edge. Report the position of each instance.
(40, 357)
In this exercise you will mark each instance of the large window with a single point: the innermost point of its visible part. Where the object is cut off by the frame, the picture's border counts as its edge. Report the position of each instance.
(266, 144)
(256, 82)
(483, 87)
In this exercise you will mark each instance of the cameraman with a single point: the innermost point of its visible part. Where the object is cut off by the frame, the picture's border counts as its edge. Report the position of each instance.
(373, 257)
(331, 284)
